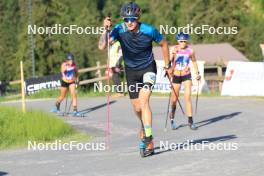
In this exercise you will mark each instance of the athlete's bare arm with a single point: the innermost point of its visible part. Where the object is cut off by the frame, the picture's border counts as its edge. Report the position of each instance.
(62, 70)
(173, 55)
(198, 77)
(102, 44)
(63, 67)
(166, 54)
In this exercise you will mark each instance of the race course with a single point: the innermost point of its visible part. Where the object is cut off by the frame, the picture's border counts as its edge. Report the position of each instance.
(236, 121)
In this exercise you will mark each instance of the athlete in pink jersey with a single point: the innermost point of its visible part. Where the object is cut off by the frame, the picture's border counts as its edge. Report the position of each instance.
(69, 79)
(182, 55)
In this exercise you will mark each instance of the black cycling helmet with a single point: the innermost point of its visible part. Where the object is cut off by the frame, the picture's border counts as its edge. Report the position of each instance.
(69, 56)
(130, 9)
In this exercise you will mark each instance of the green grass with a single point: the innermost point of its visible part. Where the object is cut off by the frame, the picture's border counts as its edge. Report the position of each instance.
(51, 94)
(55, 93)
(9, 98)
(16, 128)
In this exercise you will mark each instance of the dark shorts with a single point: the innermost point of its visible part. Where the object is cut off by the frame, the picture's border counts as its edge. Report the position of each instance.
(65, 84)
(180, 79)
(137, 79)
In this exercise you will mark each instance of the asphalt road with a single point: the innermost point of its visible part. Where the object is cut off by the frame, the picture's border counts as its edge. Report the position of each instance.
(230, 129)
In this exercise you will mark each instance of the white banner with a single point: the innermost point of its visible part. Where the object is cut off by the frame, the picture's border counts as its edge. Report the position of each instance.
(244, 79)
(163, 84)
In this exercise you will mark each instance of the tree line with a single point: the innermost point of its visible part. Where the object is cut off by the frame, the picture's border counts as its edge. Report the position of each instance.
(49, 50)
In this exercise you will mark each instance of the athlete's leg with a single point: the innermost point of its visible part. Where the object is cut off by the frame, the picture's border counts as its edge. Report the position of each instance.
(187, 97)
(133, 81)
(146, 113)
(137, 109)
(143, 112)
(63, 91)
(188, 102)
(136, 106)
(174, 97)
(73, 96)
(144, 96)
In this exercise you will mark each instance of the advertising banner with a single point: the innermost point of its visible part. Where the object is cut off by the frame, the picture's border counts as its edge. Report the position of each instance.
(163, 84)
(33, 85)
(244, 79)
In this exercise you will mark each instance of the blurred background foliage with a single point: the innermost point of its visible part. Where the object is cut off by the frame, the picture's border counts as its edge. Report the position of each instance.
(247, 15)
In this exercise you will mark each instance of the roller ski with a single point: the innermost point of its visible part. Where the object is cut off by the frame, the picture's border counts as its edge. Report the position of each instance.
(58, 112)
(56, 109)
(146, 147)
(77, 114)
(192, 124)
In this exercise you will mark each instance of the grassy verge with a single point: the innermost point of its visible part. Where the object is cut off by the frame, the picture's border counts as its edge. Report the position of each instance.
(9, 97)
(55, 93)
(16, 128)
(51, 94)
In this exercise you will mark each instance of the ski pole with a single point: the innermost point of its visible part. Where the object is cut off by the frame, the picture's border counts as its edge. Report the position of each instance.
(177, 97)
(108, 93)
(66, 103)
(197, 96)
(76, 83)
(167, 115)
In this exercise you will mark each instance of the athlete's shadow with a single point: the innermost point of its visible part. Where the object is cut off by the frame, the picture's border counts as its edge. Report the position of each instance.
(194, 142)
(88, 110)
(216, 119)
(3, 173)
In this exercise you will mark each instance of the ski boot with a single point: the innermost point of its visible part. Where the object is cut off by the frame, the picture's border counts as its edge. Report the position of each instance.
(77, 114)
(192, 126)
(146, 147)
(56, 109)
(149, 150)
(174, 126)
(142, 145)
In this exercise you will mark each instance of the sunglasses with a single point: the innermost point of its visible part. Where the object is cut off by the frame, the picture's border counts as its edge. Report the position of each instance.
(183, 41)
(131, 19)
